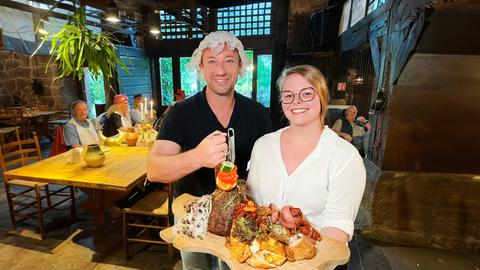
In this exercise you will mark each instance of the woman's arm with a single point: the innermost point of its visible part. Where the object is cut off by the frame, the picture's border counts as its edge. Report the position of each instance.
(346, 183)
(335, 233)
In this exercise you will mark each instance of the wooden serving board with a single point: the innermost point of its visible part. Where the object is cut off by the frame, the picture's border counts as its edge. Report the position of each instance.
(330, 253)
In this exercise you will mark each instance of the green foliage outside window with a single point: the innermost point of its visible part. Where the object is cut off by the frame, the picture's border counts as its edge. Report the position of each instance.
(166, 80)
(244, 83)
(264, 78)
(188, 78)
(95, 91)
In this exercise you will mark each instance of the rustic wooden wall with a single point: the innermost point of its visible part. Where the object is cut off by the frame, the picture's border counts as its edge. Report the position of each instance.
(433, 116)
(434, 210)
(427, 194)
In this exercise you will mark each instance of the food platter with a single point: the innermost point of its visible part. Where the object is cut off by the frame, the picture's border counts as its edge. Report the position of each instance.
(330, 253)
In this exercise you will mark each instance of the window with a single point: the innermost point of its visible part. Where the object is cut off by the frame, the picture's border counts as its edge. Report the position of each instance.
(244, 83)
(166, 80)
(94, 91)
(188, 78)
(234, 18)
(192, 82)
(264, 78)
(372, 5)
(173, 27)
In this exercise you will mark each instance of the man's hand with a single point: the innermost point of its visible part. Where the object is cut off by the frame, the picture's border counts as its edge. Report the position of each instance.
(361, 119)
(346, 136)
(212, 149)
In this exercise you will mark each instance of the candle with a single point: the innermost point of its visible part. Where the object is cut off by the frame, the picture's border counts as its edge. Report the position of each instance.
(146, 102)
(151, 108)
(141, 110)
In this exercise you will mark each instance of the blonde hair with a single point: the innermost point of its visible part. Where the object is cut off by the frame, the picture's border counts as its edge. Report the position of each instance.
(117, 108)
(315, 78)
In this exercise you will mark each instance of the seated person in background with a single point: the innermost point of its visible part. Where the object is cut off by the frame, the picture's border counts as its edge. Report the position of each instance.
(353, 129)
(79, 131)
(136, 113)
(178, 96)
(118, 116)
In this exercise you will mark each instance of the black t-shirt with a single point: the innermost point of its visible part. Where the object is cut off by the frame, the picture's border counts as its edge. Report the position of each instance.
(188, 122)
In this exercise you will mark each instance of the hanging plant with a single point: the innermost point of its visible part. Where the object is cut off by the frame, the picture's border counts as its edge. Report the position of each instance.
(75, 47)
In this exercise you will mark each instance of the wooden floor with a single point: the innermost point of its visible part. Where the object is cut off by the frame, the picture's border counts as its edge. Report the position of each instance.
(71, 243)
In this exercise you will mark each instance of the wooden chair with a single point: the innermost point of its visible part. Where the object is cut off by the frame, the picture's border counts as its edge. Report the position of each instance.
(25, 195)
(145, 219)
(13, 117)
(60, 119)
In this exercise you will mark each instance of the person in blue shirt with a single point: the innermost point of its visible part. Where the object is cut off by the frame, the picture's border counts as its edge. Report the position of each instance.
(79, 131)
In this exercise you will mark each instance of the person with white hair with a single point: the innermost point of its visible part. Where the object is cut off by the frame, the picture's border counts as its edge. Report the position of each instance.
(79, 131)
(192, 137)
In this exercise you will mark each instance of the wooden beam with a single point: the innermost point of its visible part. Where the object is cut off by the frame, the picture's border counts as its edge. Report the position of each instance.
(47, 13)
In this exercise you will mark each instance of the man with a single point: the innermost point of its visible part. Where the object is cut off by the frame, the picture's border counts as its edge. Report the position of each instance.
(192, 138)
(179, 96)
(79, 131)
(353, 129)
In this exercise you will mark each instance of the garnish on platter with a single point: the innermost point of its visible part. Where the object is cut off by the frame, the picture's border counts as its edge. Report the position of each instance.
(194, 223)
(265, 237)
(226, 178)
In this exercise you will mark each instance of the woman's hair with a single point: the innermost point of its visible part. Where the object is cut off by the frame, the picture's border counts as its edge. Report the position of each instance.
(315, 78)
(117, 108)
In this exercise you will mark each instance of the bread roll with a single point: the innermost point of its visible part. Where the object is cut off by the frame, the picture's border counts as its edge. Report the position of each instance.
(300, 248)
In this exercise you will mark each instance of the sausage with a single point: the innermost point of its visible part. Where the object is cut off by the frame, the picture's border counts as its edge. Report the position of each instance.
(274, 209)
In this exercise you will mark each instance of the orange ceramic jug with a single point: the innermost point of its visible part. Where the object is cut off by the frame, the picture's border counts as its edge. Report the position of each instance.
(131, 137)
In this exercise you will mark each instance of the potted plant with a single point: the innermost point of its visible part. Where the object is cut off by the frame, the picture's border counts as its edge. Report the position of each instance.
(75, 47)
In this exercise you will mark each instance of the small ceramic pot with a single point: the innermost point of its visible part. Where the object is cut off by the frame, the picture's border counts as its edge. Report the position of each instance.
(94, 156)
(131, 137)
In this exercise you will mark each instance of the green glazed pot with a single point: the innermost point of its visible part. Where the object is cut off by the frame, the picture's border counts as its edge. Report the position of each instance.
(94, 156)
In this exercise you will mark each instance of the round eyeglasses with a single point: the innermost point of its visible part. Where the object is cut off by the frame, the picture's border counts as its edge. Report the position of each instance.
(305, 95)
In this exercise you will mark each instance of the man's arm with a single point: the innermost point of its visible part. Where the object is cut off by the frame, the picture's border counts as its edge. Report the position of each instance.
(70, 135)
(166, 162)
(337, 127)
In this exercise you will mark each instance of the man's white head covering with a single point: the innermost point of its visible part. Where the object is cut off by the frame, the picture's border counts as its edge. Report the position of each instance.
(216, 42)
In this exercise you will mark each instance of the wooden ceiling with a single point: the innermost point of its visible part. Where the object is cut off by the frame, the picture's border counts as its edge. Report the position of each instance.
(138, 5)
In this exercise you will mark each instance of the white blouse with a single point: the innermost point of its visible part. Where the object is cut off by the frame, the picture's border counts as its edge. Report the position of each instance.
(327, 186)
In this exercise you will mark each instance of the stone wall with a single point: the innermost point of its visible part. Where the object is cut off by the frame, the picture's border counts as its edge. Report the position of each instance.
(17, 71)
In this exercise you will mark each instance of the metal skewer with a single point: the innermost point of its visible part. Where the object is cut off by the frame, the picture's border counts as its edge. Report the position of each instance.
(231, 145)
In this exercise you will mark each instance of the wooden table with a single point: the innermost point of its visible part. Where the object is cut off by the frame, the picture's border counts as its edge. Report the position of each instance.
(124, 167)
(4, 131)
(39, 122)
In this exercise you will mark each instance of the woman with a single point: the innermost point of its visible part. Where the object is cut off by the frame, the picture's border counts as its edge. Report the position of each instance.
(136, 113)
(118, 116)
(306, 164)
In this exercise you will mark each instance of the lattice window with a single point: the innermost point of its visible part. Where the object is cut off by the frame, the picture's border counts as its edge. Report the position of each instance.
(246, 20)
(176, 26)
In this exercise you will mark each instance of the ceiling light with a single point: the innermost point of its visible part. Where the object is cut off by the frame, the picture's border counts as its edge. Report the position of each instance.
(111, 13)
(155, 31)
(112, 19)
